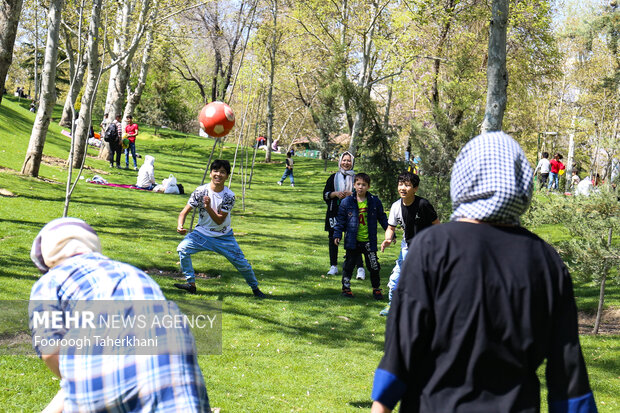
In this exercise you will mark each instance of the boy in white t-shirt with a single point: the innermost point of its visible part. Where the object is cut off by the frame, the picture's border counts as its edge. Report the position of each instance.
(213, 231)
(544, 166)
(411, 212)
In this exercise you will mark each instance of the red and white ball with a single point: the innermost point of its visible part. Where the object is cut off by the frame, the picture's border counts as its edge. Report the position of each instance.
(216, 119)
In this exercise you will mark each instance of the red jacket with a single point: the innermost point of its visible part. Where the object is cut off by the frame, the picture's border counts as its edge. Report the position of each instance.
(556, 166)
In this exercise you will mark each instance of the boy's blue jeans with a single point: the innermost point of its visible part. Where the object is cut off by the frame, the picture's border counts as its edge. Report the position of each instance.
(289, 173)
(225, 245)
(395, 276)
(132, 148)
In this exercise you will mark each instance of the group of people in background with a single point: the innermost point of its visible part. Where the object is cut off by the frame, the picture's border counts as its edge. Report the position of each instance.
(550, 171)
(120, 139)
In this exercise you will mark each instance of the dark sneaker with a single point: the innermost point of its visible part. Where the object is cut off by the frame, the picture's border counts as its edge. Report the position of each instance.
(385, 311)
(346, 292)
(258, 293)
(126, 167)
(376, 293)
(190, 288)
(118, 165)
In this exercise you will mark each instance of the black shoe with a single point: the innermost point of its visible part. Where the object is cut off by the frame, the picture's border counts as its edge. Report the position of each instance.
(190, 288)
(376, 293)
(258, 293)
(111, 165)
(346, 292)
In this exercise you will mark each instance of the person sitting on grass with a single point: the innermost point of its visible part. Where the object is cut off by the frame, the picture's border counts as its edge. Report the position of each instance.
(146, 174)
(413, 213)
(357, 217)
(213, 232)
(98, 377)
(482, 302)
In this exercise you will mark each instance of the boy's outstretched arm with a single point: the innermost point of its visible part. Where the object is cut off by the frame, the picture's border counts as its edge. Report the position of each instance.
(181, 220)
(389, 237)
(382, 217)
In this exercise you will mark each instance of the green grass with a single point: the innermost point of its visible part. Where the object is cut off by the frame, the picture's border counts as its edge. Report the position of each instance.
(304, 349)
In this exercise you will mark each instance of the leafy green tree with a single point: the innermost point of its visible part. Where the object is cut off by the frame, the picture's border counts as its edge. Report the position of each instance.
(590, 252)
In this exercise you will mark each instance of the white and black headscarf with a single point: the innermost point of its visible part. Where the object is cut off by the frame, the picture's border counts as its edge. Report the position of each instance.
(344, 179)
(491, 180)
(60, 239)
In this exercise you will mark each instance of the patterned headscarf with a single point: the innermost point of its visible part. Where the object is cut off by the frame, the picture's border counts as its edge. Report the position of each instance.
(60, 239)
(344, 179)
(491, 180)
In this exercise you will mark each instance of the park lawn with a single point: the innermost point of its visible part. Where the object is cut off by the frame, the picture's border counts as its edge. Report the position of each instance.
(303, 349)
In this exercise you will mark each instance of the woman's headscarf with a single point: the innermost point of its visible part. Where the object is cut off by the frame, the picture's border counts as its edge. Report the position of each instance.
(61, 239)
(344, 179)
(491, 180)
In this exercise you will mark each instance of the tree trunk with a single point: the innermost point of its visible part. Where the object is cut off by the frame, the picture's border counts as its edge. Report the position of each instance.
(92, 79)
(363, 83)
(133, 98)
(48, 93)
(74, 90)
(571, 153)
(601, 296)
(497, 75)
(82, 128)
(272, 72)
(10, 11)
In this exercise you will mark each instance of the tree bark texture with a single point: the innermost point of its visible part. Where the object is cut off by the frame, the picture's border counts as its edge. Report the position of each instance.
(497, 75)
(10, 10)
(601, 297)
(74, 90)
(272, 72)
(48, 93)
(84, 119)
(133, 97)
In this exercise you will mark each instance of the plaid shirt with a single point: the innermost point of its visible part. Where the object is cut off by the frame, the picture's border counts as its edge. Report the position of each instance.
(115, 383)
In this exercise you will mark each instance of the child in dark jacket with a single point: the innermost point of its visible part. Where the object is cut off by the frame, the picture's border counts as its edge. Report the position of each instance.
(357, 216)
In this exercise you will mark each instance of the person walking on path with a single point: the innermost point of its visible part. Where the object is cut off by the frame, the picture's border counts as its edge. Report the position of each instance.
(213, 232)
(288, 171)
(132, 132)
(338, 187)
(482, 302)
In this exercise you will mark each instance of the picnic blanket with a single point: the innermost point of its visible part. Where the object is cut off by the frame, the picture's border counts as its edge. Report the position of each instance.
(118, 185)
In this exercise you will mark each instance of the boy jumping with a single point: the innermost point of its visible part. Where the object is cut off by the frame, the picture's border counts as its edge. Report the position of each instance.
(213, 231)
(357, 216)
(413, 213)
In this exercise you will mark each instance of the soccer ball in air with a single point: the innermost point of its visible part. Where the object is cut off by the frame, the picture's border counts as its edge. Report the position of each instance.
(216, 119)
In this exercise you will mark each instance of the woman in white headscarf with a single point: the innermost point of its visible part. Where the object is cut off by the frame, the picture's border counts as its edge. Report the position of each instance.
(146, 175)
(482, 302)
(338, 187)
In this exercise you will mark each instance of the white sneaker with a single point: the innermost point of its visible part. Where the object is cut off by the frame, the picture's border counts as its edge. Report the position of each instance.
(333, 270)
(293, 185)
(280, 183)
(361, 273)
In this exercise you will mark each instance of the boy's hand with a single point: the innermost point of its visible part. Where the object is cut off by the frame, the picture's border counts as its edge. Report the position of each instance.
(181, 230)
(385, 243)
(336, 241)
(207, 201)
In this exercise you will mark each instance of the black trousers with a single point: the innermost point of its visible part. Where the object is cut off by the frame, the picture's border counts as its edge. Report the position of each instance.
(372, 263)
(543, 180)
(115, 150)
(333, 253)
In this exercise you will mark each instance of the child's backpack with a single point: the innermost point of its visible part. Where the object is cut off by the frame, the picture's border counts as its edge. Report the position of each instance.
(111, 134)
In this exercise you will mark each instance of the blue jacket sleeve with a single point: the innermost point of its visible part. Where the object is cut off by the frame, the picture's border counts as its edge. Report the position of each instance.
(341, 219)
(381, 216)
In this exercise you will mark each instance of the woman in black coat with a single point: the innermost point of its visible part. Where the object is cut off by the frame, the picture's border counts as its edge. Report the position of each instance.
(338, 187)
